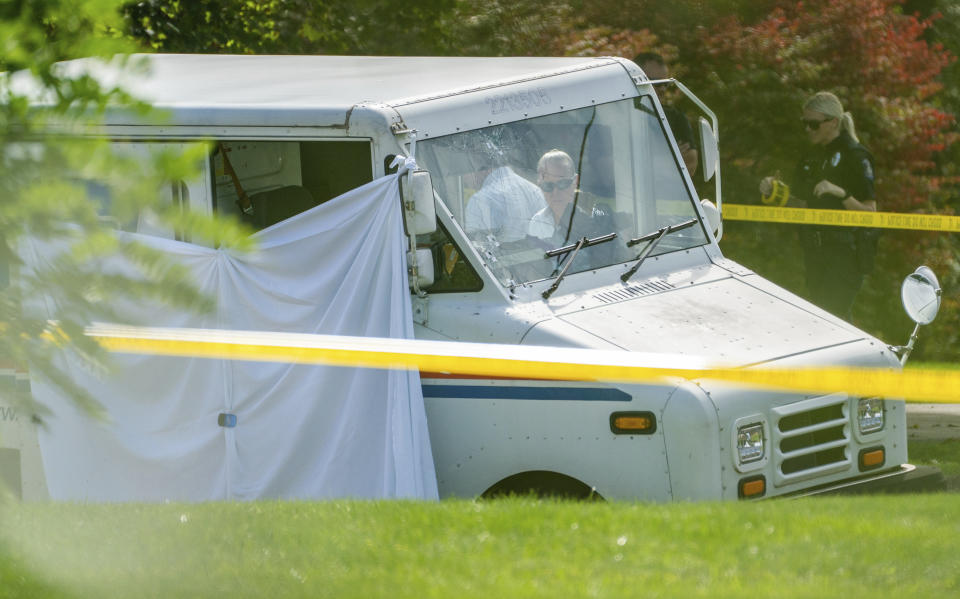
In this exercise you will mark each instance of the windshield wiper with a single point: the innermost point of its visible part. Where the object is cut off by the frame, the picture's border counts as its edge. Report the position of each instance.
(653, 239)
(573, 247)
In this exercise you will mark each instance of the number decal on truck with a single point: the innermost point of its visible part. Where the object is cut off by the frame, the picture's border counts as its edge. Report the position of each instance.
(500, 103)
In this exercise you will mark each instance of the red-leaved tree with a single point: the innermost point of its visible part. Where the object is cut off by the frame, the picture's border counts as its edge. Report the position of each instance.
(757, 63)
(876, 59)
(866, 51)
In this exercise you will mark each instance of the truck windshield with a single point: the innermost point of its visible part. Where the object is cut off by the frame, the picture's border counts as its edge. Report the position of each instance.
(523, 188)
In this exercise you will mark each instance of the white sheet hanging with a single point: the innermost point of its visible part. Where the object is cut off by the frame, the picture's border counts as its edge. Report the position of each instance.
(301, 431)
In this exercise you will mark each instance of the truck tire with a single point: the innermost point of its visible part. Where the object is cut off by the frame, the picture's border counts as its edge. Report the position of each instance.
(544, 484)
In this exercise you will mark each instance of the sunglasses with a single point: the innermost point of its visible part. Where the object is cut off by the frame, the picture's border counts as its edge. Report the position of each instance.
(549, 186)
(813, 124)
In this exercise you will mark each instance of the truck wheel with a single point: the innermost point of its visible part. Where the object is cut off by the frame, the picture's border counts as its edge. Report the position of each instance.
(542, 483)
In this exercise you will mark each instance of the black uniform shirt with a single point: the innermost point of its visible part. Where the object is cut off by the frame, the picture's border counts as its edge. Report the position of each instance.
(843, 162)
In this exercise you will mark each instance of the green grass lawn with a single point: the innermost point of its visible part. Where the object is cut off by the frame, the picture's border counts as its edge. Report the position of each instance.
(932, 365)
(943, 454)
(882, 546)
(825, 547)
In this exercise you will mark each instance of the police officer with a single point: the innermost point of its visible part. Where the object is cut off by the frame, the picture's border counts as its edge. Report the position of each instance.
(836, 173)
(655, 67)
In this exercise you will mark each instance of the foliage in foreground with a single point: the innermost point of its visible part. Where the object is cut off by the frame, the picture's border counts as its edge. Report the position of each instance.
(58, 184)
(855, 547)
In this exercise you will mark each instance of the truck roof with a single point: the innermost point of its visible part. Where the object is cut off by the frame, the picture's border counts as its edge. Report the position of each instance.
(198, 89)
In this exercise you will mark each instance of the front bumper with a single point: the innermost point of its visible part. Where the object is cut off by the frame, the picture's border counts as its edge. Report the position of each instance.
(906, 478)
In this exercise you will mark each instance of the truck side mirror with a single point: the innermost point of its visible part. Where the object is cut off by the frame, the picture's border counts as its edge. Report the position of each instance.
(712, 215)
(418, 206)
(709, 154)
(920, 294)
(421, 268)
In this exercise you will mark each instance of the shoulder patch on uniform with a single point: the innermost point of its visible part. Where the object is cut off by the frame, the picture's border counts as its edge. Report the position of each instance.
(867, 169)
(835, 159)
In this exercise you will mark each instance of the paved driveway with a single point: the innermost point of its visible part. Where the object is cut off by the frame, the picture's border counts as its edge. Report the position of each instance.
(933, 421)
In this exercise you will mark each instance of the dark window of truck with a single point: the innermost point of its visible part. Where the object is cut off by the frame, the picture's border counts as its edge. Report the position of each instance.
(265, 182)
(452, 272)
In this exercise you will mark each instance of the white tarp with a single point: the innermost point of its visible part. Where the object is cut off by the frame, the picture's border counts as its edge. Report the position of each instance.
(301, 431)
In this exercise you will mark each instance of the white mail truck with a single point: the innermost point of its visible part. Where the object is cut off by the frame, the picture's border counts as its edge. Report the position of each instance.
(552, 208)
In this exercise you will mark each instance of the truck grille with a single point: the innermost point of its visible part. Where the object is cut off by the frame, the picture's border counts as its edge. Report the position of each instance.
(811, 438)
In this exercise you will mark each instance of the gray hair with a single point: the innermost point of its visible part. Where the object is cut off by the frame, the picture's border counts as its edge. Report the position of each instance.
(829, 105)
(557, 157)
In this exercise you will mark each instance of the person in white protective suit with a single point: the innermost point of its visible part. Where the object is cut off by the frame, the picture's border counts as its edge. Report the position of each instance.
(504, 203)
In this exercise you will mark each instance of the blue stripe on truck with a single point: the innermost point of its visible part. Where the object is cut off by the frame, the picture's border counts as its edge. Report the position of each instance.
(511, 392)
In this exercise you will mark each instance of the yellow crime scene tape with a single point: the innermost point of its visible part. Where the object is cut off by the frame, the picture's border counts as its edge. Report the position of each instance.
(511, 361)
(842, 218)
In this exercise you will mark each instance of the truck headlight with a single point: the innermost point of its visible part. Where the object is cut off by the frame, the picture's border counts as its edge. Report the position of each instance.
(750, 443)
(870, 414)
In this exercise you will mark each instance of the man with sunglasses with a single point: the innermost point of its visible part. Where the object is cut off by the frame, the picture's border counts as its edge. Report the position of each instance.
(836, 173)
(568, 215)
(557, 178)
